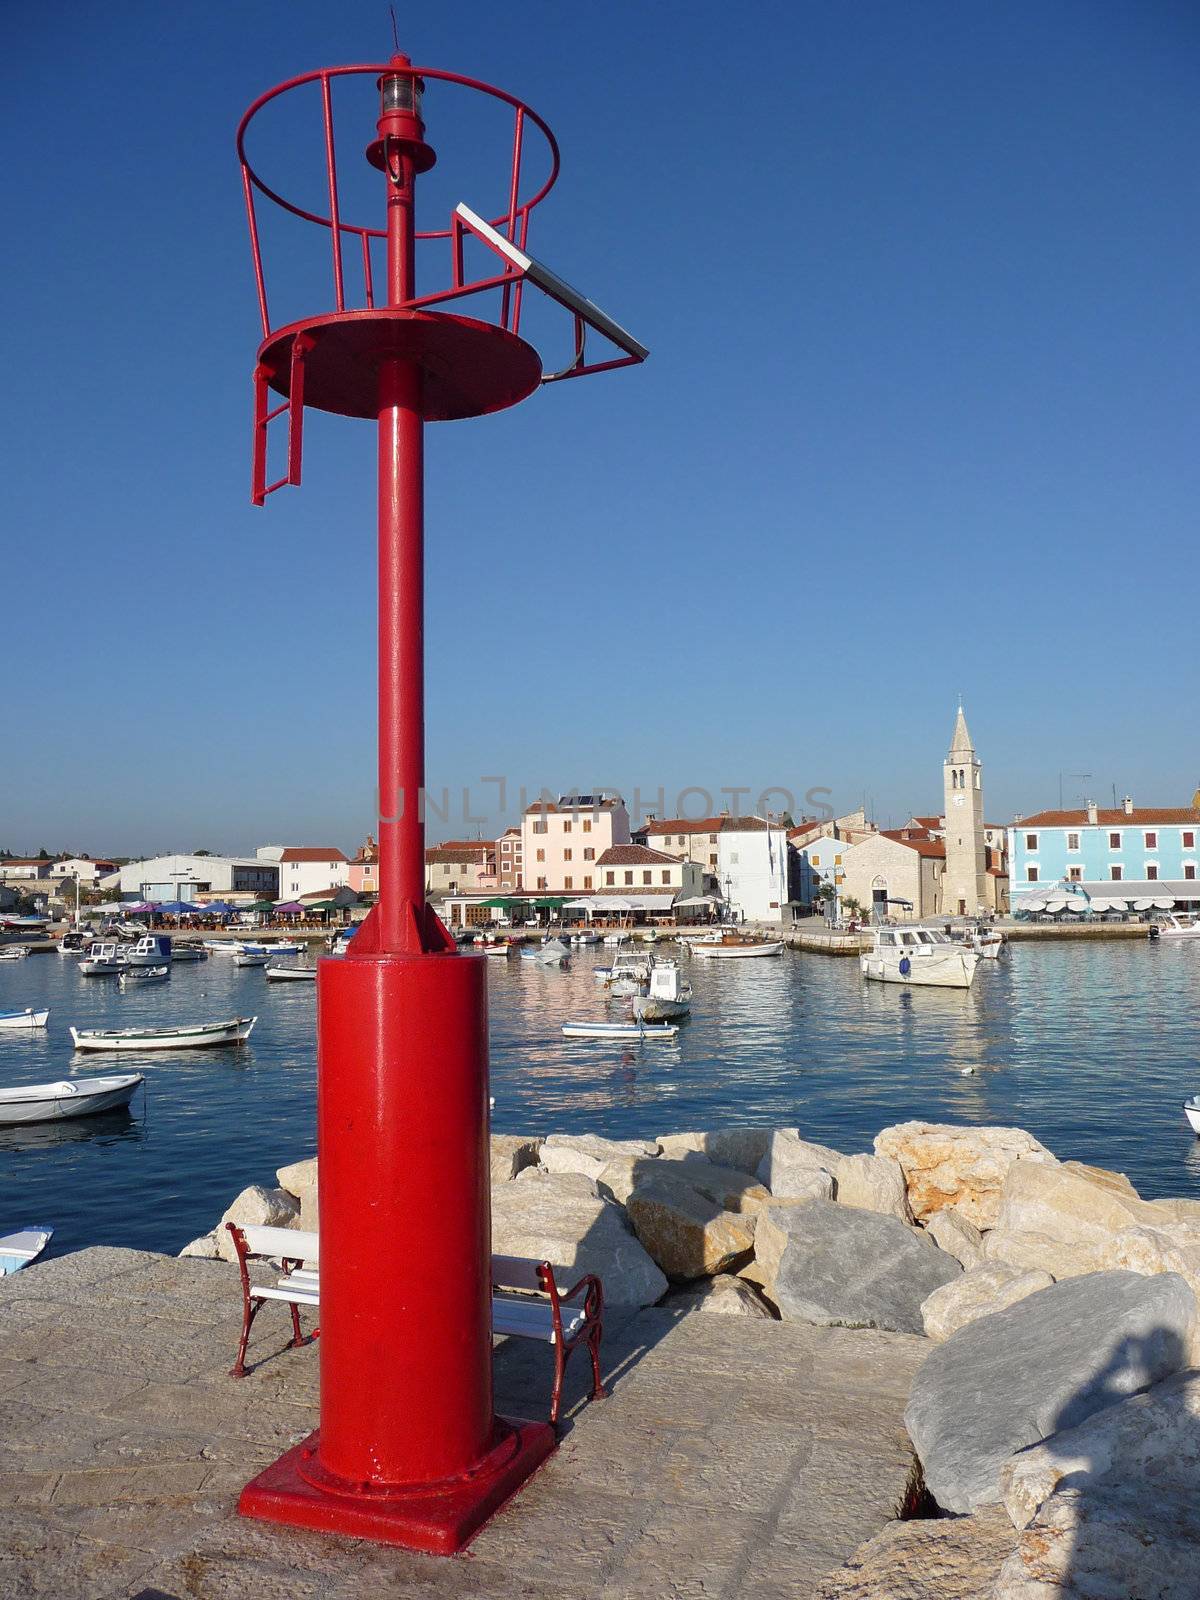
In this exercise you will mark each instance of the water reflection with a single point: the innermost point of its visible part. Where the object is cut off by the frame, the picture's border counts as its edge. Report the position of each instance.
(103, 1127)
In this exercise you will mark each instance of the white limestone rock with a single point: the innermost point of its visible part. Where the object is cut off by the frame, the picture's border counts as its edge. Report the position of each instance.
(966, 1167)
(951, 1232)
(300, 1180)
(982, 1290)
(723, 1295)
(689, 1234)
(1010, 1379)
(560, 1218)
(740, 1147)
(1111, 1507)
(511, 1153)
(588, 1152)
(787, 1167)
(257, 1207)
(204, 1248)
(873, 1183)
(940, 1558)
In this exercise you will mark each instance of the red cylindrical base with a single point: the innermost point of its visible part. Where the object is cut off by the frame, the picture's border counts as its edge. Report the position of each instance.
(405, 1200)
(408, 1448)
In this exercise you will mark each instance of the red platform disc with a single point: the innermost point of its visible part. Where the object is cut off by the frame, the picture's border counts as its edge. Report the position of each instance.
(470, 368)
(439, 1519)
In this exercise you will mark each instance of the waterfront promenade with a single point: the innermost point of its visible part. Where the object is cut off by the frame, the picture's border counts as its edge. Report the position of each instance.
(733, 1458)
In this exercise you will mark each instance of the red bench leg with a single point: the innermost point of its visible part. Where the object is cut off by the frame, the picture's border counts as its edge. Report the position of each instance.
(297, 1336)
(250, 1308)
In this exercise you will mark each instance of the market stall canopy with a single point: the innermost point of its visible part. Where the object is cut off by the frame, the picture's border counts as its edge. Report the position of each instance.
(176, 908)
(218, 908)
(699, 900)
(289, 908)
(1163, 904)
(1144, 905)
(260, 905)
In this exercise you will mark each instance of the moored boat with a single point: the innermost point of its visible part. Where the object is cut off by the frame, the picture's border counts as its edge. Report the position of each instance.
(668, 998)
(188, 950)
(1191, 1110)
(137, 977)
(74, 942)
(236, 1031)
(1172, 927)
(278, 973)
(733, 948)
(151, 950)
(250, 958)
(13, 952)
(919, 956)
(271, 947)
(55, 1102)
(635, 1032)
(29, 1018)
(102, 960)
(17, 1250)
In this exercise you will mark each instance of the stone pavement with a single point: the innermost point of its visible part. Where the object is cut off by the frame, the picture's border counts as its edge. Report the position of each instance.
(735, 1457)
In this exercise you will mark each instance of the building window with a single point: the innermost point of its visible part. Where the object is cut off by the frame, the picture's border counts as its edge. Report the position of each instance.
(629, 878)
(647, 876)
(610, 878)
(1151, 841)
(1074, 874)
(1189, 841)
(567, 853)
(589, 852)
(587, 827)
(1072, 841)
(712, 839)
(666, 877)
(541, 855)
(712, 861)
(1116, 873)
(1114, 841)
(1031, 841)
(568, 883)
(587, 883)
(539, 827)
(1031, 874)
(1189, 870)
(542, 884)
(1152, 871)
(566, 827)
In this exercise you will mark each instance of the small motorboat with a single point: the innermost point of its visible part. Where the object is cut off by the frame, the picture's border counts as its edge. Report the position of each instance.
(17, 1250)
(1171, 927)
(922, 956)
(54, 1102)
(668, 998)
(103, 959)
(585, 938)
(630, 972)
(151, 950)
(250, 958)
(1191, 1110)
(635, 1032)
(500, 950)
(550, 953)
(732, 948)
(13, 952)
(236, 1031)
(138, 977)
(25, 1019)
(272, 947)
(188, 950)
(221, 947)
(986, 942)
(74, 942)
(278, 974)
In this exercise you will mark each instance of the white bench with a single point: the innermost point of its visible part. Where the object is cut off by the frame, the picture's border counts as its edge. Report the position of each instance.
(526, 1300)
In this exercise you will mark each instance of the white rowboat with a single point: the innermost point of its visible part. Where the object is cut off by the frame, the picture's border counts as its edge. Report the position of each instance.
(135, 977)
(236, 1031)
(54, 1102)
(17, 1250)
(737, 949)
(25, 1019)
(1191, 1110)
(296, 974)
(246, 958)
(13, 952)
(619, 1030)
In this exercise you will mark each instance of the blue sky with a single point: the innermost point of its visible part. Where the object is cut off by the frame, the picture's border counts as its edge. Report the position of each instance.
(919, 418)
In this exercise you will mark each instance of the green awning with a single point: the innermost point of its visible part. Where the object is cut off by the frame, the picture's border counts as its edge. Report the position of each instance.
(502, 905)
(259, 905)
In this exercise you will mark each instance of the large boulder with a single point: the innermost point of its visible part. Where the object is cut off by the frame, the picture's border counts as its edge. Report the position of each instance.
(981, 1291)
(511, 1153)
(687, 1232)
(563, 1220)
(588, 1152)
(299, 1178)
(1011, 1379)
(723, 1295)
(873, 1183)
(742, 1148)
(940, 1558)
(951, 1232)
(1112, 1507)
(256, 1207)
(946, 1165)
(789, 1163)
(1076, 1204)
(205, 1248)
(841, 1267)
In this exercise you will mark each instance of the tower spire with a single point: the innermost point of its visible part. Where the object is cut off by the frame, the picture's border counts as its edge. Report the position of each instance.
(961, 743)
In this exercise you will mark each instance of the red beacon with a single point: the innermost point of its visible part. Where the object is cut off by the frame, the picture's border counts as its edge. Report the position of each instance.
(409, 1448)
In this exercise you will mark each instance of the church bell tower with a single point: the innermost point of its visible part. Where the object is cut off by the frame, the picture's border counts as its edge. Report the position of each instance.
(964, 885)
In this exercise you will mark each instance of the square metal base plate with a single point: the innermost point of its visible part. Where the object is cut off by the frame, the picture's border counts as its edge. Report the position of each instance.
(440, 1521)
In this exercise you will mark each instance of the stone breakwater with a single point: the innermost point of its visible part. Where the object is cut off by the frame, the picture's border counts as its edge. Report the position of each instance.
(1060, 1310)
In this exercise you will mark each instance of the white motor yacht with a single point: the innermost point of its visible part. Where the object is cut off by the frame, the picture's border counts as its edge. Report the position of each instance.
(924, 956)
(1173, 927)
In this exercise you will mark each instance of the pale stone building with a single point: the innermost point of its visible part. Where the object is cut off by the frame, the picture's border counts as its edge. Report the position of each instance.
(965, 886)
(894, 874)
(561, 842)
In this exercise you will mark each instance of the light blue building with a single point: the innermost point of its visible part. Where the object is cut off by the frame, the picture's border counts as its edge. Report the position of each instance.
(1117, 856)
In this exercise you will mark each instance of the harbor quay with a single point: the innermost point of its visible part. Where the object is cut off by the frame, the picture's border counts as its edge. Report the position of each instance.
(943, 1367)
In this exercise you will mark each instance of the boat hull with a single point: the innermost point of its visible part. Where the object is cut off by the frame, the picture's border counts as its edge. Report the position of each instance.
(176, 1039)
(1192, 1112)
(736, 952)
(952, 973)
(649, 1008)
(628, 1031)
(50, 1102)
(17, 1250)
(25, 1019)
(293, 974)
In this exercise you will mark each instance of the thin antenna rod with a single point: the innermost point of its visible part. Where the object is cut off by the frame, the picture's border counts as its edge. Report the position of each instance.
(395, 32)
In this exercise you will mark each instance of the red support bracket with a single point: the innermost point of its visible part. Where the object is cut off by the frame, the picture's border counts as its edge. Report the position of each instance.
(294, 406)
